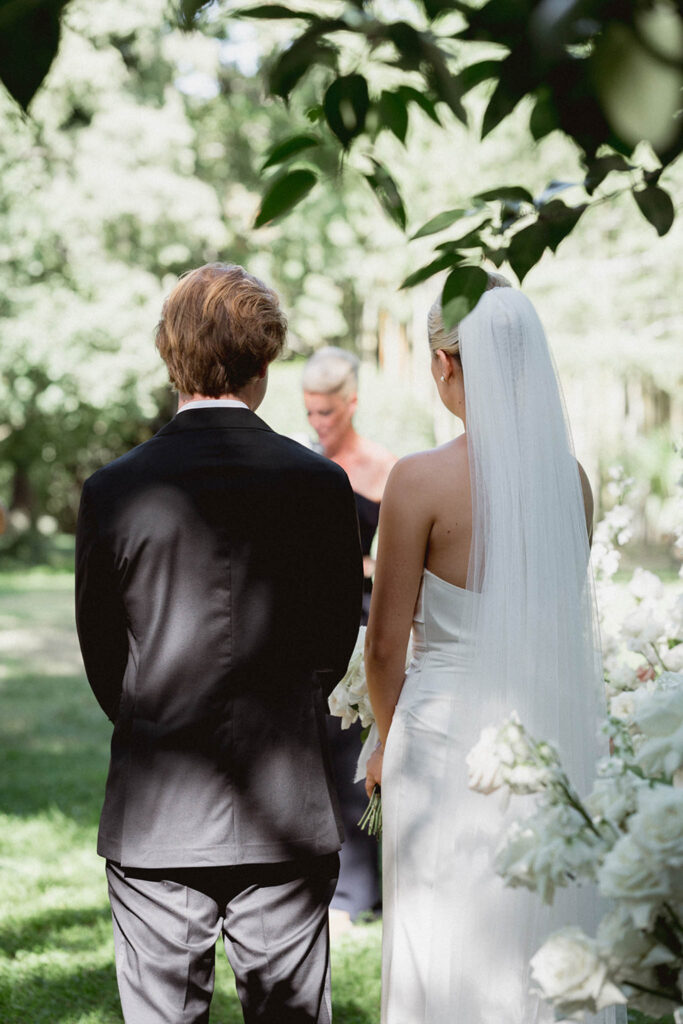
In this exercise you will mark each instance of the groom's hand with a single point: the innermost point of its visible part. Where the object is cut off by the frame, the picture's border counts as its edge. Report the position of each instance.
(373, 771)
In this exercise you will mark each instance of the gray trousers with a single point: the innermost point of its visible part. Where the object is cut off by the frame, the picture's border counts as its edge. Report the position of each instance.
(273, 918)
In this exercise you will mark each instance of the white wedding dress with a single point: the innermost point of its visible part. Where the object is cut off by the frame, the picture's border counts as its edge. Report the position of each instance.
(456, 942)
(521, 637)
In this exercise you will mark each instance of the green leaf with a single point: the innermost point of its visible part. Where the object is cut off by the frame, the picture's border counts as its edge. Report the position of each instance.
(508, 193)
(386, 190)
(443, 262)
(283, 194)
(470, 240)
(463, 288)
(29, 40)
(434, 8)
(439, 223)
(446, 85)
(346, 105)
(477, 73)
(270, 12)
(560, 220)
(526, 248)
(543, 118)
(288, 148)
(656, 206)
(394, 114)
(600, 167)
(421, 100)
(499, 106)
(188, 11)
(306, 51)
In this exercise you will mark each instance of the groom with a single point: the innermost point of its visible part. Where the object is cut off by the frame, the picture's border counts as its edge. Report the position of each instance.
(218, 590)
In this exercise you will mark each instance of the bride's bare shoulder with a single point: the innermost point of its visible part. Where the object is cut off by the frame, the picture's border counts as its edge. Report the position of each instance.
(422, 470)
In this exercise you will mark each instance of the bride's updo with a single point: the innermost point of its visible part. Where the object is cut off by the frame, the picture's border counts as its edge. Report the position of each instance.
(449, 341)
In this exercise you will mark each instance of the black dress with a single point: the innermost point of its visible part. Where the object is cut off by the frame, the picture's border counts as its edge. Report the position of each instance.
(358, 889)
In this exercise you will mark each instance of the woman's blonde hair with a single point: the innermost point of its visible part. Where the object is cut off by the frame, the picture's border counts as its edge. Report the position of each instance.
(449, 341)
(331, 371)
(218, 328)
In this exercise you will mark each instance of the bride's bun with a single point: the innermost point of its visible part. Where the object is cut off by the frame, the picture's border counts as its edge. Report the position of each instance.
(449, 341)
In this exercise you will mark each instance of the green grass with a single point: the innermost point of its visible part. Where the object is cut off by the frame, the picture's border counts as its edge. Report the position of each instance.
(56, 949)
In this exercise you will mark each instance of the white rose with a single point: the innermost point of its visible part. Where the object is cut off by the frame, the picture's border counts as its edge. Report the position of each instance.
(645, 584)
(658, 714)
(484, 768)
(569, 972)
(638, 881)
(614, 798)
(622, 944)
(657, 826)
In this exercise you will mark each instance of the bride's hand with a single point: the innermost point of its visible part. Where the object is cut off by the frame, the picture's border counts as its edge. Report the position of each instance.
(373, 771)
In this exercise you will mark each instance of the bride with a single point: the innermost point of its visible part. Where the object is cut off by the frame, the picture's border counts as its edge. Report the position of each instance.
(483, 551)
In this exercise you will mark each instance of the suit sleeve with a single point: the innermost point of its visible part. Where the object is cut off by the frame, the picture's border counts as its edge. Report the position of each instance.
(100, 614)
(338, 569)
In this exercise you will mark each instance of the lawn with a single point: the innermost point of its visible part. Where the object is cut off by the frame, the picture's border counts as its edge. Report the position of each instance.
(56, 952)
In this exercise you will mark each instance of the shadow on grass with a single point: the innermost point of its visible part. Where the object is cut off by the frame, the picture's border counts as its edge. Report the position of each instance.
(65, 929)
(49, 996)
(54, 748)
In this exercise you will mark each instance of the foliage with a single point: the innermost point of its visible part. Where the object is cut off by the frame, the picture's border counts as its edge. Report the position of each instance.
(606, 76)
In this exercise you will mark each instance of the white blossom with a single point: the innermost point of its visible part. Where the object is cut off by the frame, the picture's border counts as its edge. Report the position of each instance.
(645, 584)
(484, 767)
(622, 706)
(657, 825)
(637, 881)
(569, 971)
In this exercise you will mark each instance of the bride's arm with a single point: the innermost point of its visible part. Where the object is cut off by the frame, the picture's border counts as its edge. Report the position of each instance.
(404, 525)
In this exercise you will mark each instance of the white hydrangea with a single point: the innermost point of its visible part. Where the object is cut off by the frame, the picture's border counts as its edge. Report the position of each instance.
(642, 627)
(614, 798)
(622, 706)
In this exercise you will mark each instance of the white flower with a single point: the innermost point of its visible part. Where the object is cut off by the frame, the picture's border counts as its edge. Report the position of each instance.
(645, 584)
(569, 972)
(614, 798)
(638, 881)
(484, 767)
(622, 706)
(642, 627)
(620, 675)
(674, 617)
(658, 715)
(339, 706)
(528, 778)
(673, 659)
(657, 826)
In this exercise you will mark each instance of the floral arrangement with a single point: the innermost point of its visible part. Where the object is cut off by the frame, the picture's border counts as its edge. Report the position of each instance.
(350, 701)
(626, 836)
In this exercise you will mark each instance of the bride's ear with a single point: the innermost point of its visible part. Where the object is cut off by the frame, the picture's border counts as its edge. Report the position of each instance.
(445, 364)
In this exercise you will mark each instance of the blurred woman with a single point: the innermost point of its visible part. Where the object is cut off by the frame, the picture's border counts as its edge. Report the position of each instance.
(330, 385)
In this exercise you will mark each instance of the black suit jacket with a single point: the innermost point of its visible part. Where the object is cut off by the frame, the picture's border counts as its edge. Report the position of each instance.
(218, 592)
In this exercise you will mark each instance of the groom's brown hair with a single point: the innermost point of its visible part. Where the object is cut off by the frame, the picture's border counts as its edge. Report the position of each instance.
(219, 327)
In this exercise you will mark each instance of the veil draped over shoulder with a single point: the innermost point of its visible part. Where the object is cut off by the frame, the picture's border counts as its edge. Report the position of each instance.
(533, 623)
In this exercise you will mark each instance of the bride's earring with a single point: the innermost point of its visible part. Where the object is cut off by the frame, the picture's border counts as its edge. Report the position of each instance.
(443, 379)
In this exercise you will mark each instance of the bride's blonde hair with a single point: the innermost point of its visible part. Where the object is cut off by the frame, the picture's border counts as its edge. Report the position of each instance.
(449, 341)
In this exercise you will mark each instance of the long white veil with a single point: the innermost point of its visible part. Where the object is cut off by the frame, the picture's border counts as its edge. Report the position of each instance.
(533, 633)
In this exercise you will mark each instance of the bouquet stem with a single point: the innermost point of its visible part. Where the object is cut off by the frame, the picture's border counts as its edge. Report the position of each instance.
(372, 815)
